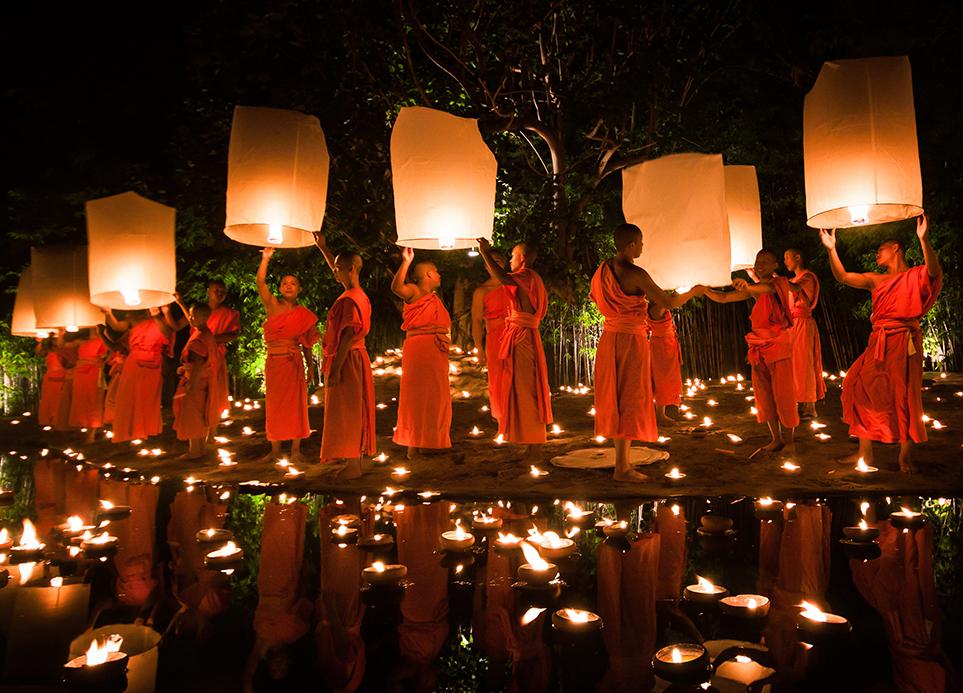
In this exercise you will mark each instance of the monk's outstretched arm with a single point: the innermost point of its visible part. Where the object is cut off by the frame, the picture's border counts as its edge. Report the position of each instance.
(113, 322)
(322, 243)
(725, 296)
(478, 322)
(852, 279)
(653, 291)
(399, 288)
(267, 298)
(494, 269)
(933, 267)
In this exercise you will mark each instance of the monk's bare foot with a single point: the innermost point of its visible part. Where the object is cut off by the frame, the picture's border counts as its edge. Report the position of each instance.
(270, 457)
(851, 460)
(907, 466)
(766, 450)
(630, 475)
(296, 458)
(191, 456)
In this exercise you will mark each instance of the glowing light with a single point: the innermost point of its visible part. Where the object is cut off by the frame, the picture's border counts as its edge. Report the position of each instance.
(790, 466)
(859, 214)
(733, 438)
(275, 234)
(131, 296)
(531, 614)
(536, 472)
(674, 473)
(864, 468)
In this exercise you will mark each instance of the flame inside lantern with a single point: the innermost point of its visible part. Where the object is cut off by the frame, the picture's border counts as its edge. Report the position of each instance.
(532, 558)
(275, 234)
(131, 296)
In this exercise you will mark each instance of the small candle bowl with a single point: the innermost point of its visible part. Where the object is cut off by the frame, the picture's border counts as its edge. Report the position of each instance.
(697, 595)
(768, 510)
(531, 576)
(6, 544)
(375, 542)
(6, 498)
(580, 520)
(343, 534)
(903, 520)
(576, 621)
(685, 663)
(114, 513)
(861, 550)
(451, 541)
(748, 606)
(859, 534)
(346, 520)
(486, 523)
(392, 574)
(612, 529)
(229, 561)
(26, 554)
(811, 630)
(213, 538)
(68, 531)
(563, 548)
(78, 675)
(98, 549)
(508, 547)
(716, 524)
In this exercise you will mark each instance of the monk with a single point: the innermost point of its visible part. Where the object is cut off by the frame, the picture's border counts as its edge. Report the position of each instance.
(666, 362)
(523, 397)
(624, 408)
(424, 403)
(52, 385)
(200, 394)
(290, 331)
(807, 360)
(770, 349)
(87, 398)
(117, 353)
(137, 412)
(882, 392)
(489, 308)
(67, 344)
(349, 407)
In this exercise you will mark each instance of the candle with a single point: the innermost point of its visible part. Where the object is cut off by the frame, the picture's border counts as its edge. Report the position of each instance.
(535, 571)
(109, 511)
(101, 545)
(554, 547)
(611, 528)
(73, 527)
(574, 621)
(863, 532)
(213, 537)
(577, 516)
(456, 539)
(375, 542)
(864, 468)
(684, 663)
(228, 557)
(343, 534)
(384, 575)
(768, 509)
(400, 473)
(507, 542)
(29, 549)
(704, 592)
(749, 606)
(814, 623)
(486, 522)
(347, 520)
(102, 667)
(674, 474)
(906, 518)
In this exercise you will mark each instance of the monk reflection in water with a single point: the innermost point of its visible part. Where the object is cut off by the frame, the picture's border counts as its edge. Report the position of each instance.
(424, 402)
(624, 408)
(489, 308)
(882, 391)
(289, 331)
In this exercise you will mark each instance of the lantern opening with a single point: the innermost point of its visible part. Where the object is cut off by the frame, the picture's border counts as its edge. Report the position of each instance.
(131, 296)
(275, 234)
(859, 214)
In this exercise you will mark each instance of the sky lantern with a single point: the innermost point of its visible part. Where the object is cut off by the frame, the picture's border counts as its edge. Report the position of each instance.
(443, 175)
(859, 144)
(745, 217)
(130, 252)
(679, 202)
(61, 298)
(24, 321)
(277, 177)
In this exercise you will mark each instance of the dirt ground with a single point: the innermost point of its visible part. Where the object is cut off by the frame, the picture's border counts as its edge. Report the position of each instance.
(477, 467)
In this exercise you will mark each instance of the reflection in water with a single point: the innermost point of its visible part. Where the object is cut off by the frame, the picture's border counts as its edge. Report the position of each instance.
(475, 618)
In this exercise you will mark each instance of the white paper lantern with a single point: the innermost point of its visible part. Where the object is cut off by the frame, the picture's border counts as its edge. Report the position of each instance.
(745, 216)
(277, 177)
(443, 175)
(61, 298)
(24, 322)
(679, 202)
(859, 144)
(130, 244)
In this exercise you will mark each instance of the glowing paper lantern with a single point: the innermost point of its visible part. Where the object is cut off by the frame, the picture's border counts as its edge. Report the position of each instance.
(859, 144)
(679, 202)
(130, 250)
(277, 177)
(745, 217)
(24, 322)
(443, 175)
(61, 298)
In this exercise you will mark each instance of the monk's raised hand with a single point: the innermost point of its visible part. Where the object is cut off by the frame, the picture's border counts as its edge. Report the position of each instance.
(319, 239)
(922, 227)
(740, 284)
(828, 238)
(484, 244)
(267, 253)
(407, 254)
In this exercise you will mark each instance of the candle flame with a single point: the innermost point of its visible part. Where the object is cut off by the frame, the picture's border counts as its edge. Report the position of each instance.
(705, 585)
(508, 539)
(378, 566)
(903, 511)
(102, 538)
(536, 472)
(460, 533)
(813, 612)
(862, 525)
(97, 653)
(131, 296)
(532, 557)
(861, 466)
(859, 214)
(228, 549)
(26, 572)
(576, 615)
(75, 523)
(106, 505)
(530, 615)
(28, 539)
(767, 501)
(863, 507)
(752, 604)
(676, 656)
(733, 438)
(551, 540)
(275, 234)
(571, 532)
(675, 473)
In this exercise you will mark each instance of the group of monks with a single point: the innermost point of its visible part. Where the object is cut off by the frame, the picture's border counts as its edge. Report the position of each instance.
(637, 369)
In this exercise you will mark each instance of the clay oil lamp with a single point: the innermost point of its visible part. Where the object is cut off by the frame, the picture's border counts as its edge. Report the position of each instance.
(99, 546)
(704, 592)
(553, 547)
(611, 529)
(111, 512)
(862, 532)
(375, 542)
(747, 606)
(30, 549)
(684, 663)
(715, 524)
(379, 574)
(906, 519)
(456, 539)
(102, 668)
(73, 527)
(6, 497)
(346, 520)
(536, 571)
(213, 538)
(768, 510)
(576, 621)
(6, 541)
(675, 475)
(228, 557)
(506, 543)
(863, 468)
(576, 516)
(486, 523)
(344, 534)
(400, 473)
(814, 624)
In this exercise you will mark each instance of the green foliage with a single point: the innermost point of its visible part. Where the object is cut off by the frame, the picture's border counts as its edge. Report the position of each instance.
(18, 369)
(460, 665)
(246, 519)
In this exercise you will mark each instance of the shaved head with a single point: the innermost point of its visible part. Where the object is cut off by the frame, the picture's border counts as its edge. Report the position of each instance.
(795, 252)
(348, 261)
(420, 269)
(624, 234)
(201, 310)
(529, 251)
(768, 254)
(893, 241)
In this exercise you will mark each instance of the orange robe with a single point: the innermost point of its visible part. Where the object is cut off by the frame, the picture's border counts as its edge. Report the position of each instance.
(201, 391)
(496, 303)
(666, 361)
(116, 363)
(672, 552)
(285, 387)
(424, 403)
(882, 391)
(68, 357)
(623, 378)
(135, 538)
(807, 359)
(137, 412)
(51, 389)
(205, 591)
(349, 406)
(87, 396)
(282, 615)
(770, 355)
(222, 321)
(524, 398)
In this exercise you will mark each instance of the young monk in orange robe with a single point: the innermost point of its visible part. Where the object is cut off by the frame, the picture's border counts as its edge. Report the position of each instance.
(666, 361)
(349, 406)
(882, 392)
(489, 308)
(807, 359)
(87, 396)
(52, 385)
(624, 407)
(117, 344)
(290, 331)
(770, 349)
(200, 394)
(424, 403)
(138, 406)
(523, 396)
(67, 350)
